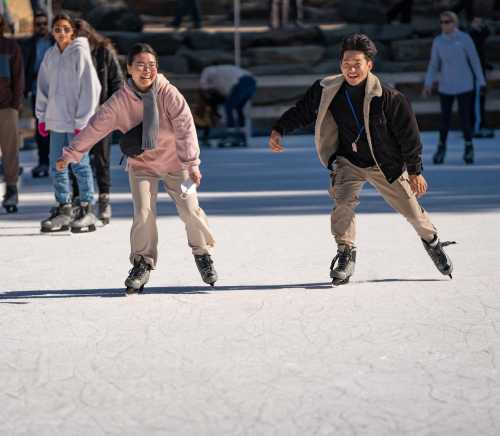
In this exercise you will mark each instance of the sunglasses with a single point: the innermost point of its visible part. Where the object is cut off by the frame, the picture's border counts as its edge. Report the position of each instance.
(446, 21)
(63, 29)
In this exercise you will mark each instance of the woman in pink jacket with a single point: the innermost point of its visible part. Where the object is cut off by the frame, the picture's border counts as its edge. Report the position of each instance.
(170, 153)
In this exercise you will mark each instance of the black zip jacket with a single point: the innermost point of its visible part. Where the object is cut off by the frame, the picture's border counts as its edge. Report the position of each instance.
(393, 128)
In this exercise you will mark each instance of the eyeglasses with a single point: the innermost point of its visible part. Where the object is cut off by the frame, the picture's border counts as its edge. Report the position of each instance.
(446, 21)
(142, 66)
(63, 29)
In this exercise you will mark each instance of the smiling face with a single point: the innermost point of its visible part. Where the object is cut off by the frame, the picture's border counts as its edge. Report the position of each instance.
(63, 33)
(143, 70)
(355, 67)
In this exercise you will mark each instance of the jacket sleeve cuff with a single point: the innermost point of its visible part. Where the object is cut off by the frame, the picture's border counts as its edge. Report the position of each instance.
(414, 169)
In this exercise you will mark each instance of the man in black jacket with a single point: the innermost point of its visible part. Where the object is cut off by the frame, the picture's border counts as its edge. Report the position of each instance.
(364, 131)
(34, 51)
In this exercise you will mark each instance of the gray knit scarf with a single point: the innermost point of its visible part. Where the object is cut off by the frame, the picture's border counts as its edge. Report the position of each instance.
(151, 118)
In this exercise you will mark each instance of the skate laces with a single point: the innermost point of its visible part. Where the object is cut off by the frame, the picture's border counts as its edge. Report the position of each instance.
(343, 257)
(205, 263)
(138, 270)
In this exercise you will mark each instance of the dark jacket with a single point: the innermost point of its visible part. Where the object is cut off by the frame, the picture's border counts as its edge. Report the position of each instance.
(11, 74)
(392, 130)
(108, 70)
(29, 56)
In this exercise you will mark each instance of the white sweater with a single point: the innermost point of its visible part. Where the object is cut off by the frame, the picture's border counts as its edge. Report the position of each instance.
(68, 88)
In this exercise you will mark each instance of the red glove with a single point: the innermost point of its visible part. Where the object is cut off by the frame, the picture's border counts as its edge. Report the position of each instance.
(42, 130)
(77, 131)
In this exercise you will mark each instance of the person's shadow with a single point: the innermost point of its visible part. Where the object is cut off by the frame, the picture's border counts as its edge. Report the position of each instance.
(202, 289)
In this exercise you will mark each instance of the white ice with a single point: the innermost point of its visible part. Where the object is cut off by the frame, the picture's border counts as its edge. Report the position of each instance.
(273, 349)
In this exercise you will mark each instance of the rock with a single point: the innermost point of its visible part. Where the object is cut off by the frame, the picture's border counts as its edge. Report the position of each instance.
(173, 64)
(412, 49)
(280, 69)
(123, 41)
(332, 53)
(199, 40)
(199, 59)
(163, 43)
(109, 17)
(426, 26)
(394, 32)
(361, 11)
(336, 35)
(307, 54)
(321, 14)
(328, 68)
(400, 67)
(493, 48)
(288, 37)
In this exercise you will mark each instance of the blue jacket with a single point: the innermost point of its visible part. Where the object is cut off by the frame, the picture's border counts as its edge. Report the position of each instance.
(455, 64)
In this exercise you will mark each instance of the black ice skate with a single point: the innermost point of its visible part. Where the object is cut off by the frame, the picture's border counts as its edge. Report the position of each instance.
(39, 171)
(10, 199)
(206, 268)
(59, 220)
(439, 155)
(138, 276)
(346, 262)
(439, 257)
(104, 214)
(85, 219)
(469, 153)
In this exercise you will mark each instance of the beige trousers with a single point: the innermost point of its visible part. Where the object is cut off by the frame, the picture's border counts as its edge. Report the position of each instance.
(9, 150)
(348, 180)
(144, 233)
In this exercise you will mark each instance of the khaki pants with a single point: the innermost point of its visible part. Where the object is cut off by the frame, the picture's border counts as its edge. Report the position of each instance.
(144, 233)
(349, 180)
(8, 144)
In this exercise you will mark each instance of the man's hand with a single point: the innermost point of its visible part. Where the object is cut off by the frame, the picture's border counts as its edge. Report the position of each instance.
(426, 91)
(275, 142)
(418, 184)
(61, 165)
(195, 175)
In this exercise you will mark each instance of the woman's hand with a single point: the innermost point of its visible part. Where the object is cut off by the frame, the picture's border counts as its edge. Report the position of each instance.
(275, 142)
(418, 184)
(61, 165)
(195, 175)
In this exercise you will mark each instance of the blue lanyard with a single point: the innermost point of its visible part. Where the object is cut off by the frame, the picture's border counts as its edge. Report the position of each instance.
(359, 126)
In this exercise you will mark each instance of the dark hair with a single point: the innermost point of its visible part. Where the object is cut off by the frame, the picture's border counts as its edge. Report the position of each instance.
(40, 13)
(83, 28)
(63, 16)
(139, 48)
(359, 42)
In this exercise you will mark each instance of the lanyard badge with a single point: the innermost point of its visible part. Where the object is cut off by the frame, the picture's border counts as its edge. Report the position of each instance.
(359, 126)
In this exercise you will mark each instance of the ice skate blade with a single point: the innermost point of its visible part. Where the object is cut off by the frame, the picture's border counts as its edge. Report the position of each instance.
(132, 291)
(451, 277)
(11, 209)
(104, 221)
(90, 228)
(338, 282)
(60, 229)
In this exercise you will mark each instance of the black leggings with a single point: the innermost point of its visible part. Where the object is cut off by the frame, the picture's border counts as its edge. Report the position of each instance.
(465, 110)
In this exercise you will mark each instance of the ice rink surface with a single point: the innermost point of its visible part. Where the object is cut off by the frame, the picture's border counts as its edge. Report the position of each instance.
(273, 349)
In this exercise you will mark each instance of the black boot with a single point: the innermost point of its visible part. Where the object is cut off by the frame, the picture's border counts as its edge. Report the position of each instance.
(10, 199)
(439, 155)
(59, 220)
(206, 268)
(469, 153)
(138, 276)
(346, 262)
(439, 257)
(104, 208)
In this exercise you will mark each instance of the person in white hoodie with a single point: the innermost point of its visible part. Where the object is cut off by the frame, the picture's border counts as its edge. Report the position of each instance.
(68, 91)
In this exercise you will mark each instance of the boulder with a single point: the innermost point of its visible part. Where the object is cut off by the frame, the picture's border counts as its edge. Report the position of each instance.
(412, 49)
(199, 40)
(394, 32)
(163, 43)
(400, 67)
(493, 48)
(280, 69)
(361, 11)
(199, 59)
(327, 68)
(111, 17)
(281, 37)
(307, 54)
(338, 33)
(173, 64)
